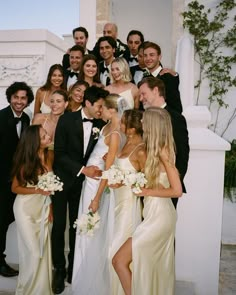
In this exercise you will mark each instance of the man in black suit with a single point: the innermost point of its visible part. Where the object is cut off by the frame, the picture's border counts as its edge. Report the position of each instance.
(80, 36)
(152, 94)
(12, 122)
(75, 58)
(152, 57)
(75, 139)
(111, 30)
(134, 39)
(107, 47)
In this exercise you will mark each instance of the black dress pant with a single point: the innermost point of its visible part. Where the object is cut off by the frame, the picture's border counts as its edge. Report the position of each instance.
(68, 197)
(7, 199)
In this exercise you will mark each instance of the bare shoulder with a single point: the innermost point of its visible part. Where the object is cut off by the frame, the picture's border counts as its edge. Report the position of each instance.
(39, 118)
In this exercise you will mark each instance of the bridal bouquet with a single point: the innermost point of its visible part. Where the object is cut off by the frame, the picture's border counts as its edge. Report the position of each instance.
(50, 182)
(113, 175)
(87, 223)
(136, 180)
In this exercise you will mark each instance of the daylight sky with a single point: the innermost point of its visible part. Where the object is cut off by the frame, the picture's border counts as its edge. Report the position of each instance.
(57, 16)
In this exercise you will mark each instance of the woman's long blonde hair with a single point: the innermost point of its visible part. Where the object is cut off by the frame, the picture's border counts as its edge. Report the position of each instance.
(157, 134)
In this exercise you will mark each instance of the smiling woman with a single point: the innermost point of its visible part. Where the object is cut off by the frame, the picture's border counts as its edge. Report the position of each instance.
(58, 103)
(55, 81)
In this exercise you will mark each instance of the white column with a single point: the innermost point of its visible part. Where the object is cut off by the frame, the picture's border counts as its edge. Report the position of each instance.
(87, 19)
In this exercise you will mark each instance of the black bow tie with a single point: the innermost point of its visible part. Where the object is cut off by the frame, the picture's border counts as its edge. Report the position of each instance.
(104, 69)
(132, 58)
(72, 74)
(87, 120)
(17, 120)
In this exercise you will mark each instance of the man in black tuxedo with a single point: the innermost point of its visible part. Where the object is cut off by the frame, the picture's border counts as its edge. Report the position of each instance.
(80, 36)
(152, 57)
(12, 122)
(134, 39)
(107, 47)
(74, 142)
(111, 30)
(152, 94)
(75, 58)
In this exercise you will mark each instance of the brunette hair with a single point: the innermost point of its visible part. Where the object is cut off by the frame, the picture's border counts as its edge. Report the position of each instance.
(87, 57)
(16, 86)
(27, 165)
(52, 69)
(132, 119)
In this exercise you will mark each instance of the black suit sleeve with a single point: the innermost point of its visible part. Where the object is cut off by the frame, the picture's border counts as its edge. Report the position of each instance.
(180, 134)
(172, 92)
(65, 61)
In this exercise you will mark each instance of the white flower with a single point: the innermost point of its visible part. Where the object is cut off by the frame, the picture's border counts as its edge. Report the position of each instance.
(49, 182)
(87, 223)
(136, 180)
(96, 132)
(113, 175)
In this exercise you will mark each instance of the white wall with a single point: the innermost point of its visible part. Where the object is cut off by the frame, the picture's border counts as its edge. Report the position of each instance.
(26, 55)
(153, 18)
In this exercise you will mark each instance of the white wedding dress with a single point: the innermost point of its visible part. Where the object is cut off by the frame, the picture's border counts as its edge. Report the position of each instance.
(91, 263)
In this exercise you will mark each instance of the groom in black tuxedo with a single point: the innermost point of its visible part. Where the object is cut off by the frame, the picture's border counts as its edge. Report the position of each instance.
(75, 138)
(152, 94)
(12, 123)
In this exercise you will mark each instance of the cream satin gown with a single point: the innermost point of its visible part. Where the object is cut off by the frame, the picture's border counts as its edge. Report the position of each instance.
(34, 244)
(127, 217)
(153, 247)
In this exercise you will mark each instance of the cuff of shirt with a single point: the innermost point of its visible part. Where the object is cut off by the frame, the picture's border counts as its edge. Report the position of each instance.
(78, 174)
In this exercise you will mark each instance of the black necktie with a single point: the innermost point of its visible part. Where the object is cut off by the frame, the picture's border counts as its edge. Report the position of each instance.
(72, 74)
(17, 120)
(87, 120)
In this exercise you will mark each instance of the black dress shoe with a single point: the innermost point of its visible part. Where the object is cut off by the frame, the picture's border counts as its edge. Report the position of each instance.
(58, 283)
(7, 271)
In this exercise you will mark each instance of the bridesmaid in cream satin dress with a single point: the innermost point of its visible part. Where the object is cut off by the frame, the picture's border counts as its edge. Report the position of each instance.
(151, 248)
(32, 212)
(127, 206)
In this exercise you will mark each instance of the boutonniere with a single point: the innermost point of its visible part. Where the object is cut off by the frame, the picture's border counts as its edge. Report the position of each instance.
(96, 132)
(146, 73)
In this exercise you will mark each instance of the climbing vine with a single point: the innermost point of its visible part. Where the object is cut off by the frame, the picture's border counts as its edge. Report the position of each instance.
(211, 37)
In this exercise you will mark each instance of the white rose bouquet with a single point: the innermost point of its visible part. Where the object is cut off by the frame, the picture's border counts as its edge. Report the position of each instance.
(50, 182)
(87, 223)
(113, 175)
(136, 180)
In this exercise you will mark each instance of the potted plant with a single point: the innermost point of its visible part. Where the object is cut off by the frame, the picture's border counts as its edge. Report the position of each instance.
(229, 208)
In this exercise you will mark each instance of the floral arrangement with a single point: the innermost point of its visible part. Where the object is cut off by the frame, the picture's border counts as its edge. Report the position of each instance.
(113, 175)
(50, 182)
(87, 223)
(135, 180)
(96, 132)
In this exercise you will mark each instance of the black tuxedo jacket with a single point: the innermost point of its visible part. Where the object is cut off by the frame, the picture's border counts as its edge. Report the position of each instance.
(66, 74)
(69, 146)
(180, 134)
(172, 91)
(8, 142)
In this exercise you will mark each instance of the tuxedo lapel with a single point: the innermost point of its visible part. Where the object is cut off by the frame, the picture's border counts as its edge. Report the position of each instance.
(80, 129)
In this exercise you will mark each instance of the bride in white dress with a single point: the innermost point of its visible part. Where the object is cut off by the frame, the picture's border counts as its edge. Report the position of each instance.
(91, 265)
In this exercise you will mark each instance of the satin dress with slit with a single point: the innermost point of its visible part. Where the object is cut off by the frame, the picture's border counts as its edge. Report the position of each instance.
(153, 267)
(127, 217)
(34, 244)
